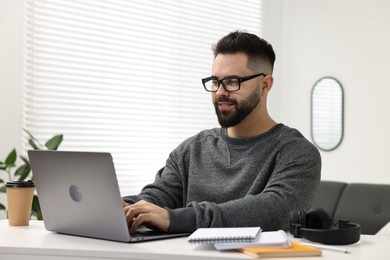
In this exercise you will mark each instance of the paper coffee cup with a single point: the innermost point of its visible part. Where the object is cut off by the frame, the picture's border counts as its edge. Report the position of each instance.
(19, 198)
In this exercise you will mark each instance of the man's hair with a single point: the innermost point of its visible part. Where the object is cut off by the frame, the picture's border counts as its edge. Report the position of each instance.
(258, 50)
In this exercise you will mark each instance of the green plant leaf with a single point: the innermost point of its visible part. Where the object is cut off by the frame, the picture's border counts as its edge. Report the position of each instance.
(32, 144)
(36, 208)
(2, 189)
(11, 158)
(24, 159)
(2, 207)
(23, 171)
(54, 142)
(1, 181)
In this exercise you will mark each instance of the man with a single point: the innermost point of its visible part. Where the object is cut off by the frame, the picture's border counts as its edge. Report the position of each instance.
(250, 172)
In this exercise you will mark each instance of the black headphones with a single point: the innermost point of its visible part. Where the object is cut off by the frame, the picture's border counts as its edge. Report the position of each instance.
(316, 225)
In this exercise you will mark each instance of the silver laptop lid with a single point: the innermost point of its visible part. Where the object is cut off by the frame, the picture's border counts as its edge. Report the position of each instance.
(79, 194)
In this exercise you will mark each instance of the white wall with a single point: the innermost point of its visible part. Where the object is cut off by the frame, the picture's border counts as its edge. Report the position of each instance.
(349, 40)
(10, 74)
(10, 78)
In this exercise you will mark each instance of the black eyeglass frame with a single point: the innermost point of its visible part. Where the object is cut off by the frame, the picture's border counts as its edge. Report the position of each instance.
(220, 81)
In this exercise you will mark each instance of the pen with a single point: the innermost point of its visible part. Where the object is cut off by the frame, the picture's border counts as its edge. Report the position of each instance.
(332, 248)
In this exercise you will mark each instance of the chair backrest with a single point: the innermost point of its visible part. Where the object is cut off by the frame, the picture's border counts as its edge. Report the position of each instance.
(361, 203)
(365, 204)
(328, 196)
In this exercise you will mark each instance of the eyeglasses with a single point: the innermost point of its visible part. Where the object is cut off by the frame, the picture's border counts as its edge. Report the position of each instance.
(230, 83)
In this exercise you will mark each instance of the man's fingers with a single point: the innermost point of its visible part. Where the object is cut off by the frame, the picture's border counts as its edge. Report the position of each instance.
(146, 213)
(134, 210)
(140, 220)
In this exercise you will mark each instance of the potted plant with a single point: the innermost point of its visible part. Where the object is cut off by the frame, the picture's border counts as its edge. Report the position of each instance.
(22, 172)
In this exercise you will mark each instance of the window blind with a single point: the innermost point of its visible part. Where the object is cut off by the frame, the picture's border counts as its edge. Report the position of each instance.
(124, 76)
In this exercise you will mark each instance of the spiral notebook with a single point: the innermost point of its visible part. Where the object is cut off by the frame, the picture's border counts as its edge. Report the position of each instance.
(224, 235)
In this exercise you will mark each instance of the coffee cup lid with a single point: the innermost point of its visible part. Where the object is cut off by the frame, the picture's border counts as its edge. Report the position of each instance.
(20, 184)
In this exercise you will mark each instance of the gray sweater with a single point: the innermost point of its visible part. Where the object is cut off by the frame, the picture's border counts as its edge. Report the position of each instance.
(211, 180)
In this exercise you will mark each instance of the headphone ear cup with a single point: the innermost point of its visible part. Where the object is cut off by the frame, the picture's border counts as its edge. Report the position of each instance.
(297, 217)
(297, 221)
(318, 219)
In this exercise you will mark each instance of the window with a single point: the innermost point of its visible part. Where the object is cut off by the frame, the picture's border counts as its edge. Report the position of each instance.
(124, 76)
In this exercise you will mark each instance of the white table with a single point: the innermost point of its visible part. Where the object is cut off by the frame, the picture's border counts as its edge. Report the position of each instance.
(34, 242)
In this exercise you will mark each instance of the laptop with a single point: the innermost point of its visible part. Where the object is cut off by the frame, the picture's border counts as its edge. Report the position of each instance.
(79, 195)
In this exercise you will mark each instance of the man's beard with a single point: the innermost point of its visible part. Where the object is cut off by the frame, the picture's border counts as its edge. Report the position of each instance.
(233, 117)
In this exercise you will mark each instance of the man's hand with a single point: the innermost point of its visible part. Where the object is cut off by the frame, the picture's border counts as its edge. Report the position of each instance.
(148, 214)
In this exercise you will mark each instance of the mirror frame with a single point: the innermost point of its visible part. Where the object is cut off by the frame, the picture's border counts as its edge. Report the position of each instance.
(342, 114)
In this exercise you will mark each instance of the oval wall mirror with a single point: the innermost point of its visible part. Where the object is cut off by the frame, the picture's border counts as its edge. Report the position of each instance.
(327, 113)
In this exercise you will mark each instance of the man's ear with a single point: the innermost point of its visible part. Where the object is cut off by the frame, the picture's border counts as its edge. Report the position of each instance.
(266, 86)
